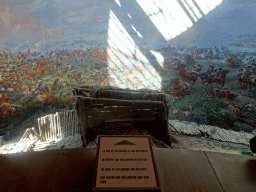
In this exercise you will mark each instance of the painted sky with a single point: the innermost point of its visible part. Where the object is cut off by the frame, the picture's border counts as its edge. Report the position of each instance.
(27, 23)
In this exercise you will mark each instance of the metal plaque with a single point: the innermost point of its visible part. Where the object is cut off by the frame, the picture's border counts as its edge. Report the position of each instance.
(125, 163)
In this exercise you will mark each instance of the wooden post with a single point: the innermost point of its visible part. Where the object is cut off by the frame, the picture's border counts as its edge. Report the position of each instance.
(43, 126)
(66, 121)
(69, 123)
(48, 122)
(62, 124)
(52, 119)
(45, 129)
(38, 136)
(54, 125)
(76, 118)
(73, 122)
(58, 125)
(27, 132)
(39, 126)
(50, 126)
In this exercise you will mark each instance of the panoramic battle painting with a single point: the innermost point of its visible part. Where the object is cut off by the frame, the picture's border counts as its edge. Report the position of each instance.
(201, 53)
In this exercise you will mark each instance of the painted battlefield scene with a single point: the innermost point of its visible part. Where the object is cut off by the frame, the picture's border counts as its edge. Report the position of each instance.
(209, 74)
(209, 86)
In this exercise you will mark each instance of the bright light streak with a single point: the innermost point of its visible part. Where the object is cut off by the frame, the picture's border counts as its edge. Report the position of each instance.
(194, 9)
(207, 6)
(189, 10)
(129, 16)
(159, 57)
(130, 68)
(118, 2)
(169, 18)
(138, 33)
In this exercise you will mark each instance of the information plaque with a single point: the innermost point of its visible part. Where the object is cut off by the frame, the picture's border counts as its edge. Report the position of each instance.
(125, 163)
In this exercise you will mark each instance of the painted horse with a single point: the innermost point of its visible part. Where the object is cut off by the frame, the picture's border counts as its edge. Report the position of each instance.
(243, 78)
(218, 79)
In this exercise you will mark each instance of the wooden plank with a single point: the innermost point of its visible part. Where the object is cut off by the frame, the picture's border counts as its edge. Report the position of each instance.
(75, 119)
(62, 124)
(239, 138)
(27, 132)
(36, 134)
(66, 121)
(55, 125)
(223, 134)
(117, 108)
(47, 127)
(120, 109)
(116, 102)
(120, 92)
(121, 114)
(50, 126)
(69, 123)
(77, 123)
(44, 128)
(53, 128)
(242, 134)
(39, 126)
(147, 119)
(230, 136)
(220, 134)
(74, 123)
(125, 95)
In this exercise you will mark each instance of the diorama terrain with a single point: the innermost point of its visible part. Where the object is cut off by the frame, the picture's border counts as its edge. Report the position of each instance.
(32, 85)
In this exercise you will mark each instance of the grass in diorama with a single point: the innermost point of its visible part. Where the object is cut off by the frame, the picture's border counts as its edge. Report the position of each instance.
(198, 91)
(214, 111)
(211, 111)
(235, 87)
(252, 93)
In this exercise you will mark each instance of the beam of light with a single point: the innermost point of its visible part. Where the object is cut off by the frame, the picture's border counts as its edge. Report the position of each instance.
(138, 33)
(207, 6)
(194, 9)
(189, 9)
(129, 16)
(129, 67)
(168, 17)
(118, 2)
(159, 57)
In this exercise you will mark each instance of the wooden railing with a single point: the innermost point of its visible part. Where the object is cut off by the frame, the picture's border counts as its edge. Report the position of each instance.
(58, 125)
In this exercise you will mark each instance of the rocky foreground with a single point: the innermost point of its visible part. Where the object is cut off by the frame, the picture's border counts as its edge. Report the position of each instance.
(179, 141)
